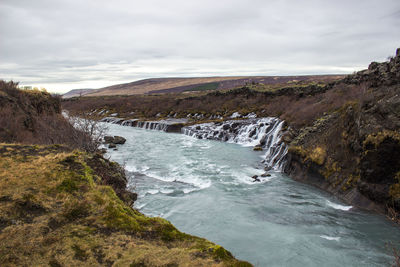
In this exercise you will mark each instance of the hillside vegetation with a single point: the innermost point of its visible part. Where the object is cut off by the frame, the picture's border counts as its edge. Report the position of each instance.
(34, 117)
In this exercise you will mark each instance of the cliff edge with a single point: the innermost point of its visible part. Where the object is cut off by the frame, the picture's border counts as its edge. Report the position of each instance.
(69, 208)
(354, 151)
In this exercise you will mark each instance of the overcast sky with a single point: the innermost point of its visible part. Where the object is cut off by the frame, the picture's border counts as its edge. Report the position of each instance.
(68, 44)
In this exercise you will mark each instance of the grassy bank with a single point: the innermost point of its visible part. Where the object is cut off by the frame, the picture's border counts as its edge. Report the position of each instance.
(58, 208)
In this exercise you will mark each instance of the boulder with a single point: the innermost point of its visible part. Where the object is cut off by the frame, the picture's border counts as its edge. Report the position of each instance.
(255, 177)
(108, 139)
(257, 148)
(265, 175)
(112, 145)
(119, 140)
(253, 132)
(235, 125)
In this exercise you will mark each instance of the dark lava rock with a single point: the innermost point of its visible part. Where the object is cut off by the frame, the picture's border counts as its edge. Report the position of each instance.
(235, 125)
(108, 139)
(112, 145)
(252, 133)
(263, 141)
(119, 140)
(265, 175)
(116, 140)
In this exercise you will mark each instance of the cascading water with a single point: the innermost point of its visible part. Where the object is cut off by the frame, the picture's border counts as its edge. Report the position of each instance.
(168, 125)
(264, 132)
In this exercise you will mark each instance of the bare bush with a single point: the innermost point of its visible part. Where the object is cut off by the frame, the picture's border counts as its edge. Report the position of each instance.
(90, 131)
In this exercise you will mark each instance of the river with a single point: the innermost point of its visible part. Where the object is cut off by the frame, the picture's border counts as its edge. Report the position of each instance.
(205, 188)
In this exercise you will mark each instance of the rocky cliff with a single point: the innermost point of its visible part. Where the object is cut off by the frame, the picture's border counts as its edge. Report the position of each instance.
(353, 151)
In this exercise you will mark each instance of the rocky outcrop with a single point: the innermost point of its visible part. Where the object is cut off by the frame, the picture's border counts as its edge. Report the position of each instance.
(353, 152)
(378, 74)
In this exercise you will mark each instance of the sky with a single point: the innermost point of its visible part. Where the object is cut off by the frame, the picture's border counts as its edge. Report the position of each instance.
(69, 44)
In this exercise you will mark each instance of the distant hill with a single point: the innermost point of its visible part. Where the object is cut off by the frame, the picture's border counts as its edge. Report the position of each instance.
(176, 85)
(77, 92)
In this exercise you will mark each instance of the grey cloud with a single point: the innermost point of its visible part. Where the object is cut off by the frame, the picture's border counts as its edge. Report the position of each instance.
(71, 42)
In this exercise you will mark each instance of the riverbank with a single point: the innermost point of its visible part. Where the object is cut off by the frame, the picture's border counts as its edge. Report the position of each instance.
(72, 208)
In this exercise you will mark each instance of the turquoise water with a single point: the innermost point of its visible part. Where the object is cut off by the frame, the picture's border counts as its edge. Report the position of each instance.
(205, 188)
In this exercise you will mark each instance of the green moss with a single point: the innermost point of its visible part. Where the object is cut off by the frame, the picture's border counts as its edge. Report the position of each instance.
(68, 185)
(168, 232)
(221, 253)
(118, 218)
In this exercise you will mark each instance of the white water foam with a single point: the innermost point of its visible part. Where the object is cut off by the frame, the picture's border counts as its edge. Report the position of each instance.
(338, 207)
(334, 238)
(153, 191)
(166, 191)
(263, 132)
(141, 169)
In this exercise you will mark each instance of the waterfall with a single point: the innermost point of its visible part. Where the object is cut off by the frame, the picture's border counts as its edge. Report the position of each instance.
(264, 132)
(167, 125)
